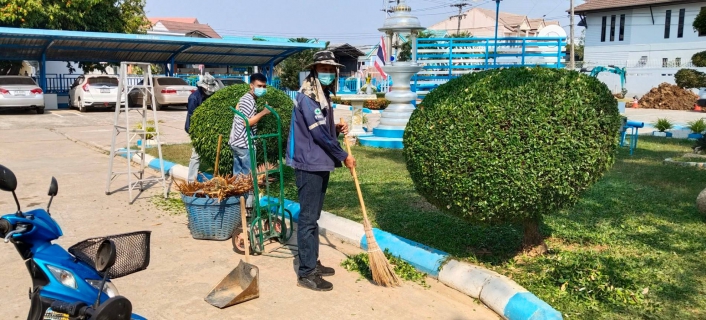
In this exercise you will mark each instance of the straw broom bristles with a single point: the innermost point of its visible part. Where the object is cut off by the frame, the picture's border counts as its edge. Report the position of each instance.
(383, 273)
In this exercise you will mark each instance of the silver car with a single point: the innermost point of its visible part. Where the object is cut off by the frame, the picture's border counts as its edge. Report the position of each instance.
(21, 92)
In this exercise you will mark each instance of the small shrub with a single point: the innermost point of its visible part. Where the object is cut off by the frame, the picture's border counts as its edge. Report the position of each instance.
(663, 124)
(690, 78)
(512, 145)
(214, 117)
(697, 126)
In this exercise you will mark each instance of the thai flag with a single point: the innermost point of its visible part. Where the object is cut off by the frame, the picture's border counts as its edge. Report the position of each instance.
(380, 58)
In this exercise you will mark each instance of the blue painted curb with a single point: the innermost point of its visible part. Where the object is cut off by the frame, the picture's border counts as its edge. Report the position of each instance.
(154, 163)
(526, 305)
(424, 258)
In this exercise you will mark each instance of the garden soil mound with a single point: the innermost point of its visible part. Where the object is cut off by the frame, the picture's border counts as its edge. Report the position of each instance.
(670, 97)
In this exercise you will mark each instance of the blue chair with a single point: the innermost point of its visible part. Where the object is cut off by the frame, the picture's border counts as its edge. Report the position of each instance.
(632, 127)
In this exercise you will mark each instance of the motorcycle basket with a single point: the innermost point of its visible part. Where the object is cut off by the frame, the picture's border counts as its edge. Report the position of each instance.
(133, 252)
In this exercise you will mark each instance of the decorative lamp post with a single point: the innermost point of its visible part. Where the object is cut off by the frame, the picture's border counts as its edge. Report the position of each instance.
(395, 117)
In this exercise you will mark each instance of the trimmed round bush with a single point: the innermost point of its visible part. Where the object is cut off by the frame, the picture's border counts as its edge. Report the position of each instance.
(690, 78)
(512, 145)
(215, 117)
(699, 59)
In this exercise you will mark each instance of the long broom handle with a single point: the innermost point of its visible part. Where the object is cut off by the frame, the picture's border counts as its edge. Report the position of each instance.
(243, 220)
(355, 177)
(218, 155)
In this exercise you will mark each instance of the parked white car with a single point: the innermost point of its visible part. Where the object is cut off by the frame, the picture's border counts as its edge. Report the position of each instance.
(168, 91)
(21, 92)
(94, 91)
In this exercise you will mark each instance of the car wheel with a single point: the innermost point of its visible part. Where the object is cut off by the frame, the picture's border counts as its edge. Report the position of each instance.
(40, 110)
(81, 107)
(156, 105)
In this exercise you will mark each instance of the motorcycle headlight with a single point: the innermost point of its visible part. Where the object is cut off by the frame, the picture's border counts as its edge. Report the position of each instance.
(64, 276)
(110, 289)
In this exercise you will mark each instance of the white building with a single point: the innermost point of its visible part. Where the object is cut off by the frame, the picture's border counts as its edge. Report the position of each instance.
(641, 33)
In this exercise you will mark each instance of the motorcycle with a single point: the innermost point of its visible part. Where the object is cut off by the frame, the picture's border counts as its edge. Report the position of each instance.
(73, 284)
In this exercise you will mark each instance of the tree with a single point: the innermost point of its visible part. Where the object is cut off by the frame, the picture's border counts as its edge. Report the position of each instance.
(405, 53)
(289, 68)
(124, 16)
(578, 48)
(512, 145)
(690, 78)
(700, 22)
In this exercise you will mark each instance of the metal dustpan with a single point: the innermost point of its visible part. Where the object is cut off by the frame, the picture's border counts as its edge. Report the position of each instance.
(241, 284)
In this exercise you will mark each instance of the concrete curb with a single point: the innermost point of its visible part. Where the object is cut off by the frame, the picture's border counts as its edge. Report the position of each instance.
(504, 296)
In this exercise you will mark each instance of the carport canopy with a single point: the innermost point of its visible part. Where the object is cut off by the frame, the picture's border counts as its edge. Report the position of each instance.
(59, 45)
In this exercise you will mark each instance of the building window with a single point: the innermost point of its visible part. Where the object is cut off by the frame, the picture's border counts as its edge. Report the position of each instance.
(612, 28)
(667, 23)
(603, 27)
(680, 30)
(665, 62)
(622, 28)
(677, 62)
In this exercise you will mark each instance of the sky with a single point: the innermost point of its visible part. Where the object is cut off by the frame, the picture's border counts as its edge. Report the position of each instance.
(352, 21)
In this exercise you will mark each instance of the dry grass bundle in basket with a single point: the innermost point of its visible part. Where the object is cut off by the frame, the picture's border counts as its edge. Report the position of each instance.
(221, 187)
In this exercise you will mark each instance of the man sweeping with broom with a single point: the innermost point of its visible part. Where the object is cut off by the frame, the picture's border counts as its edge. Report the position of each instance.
(313, 151)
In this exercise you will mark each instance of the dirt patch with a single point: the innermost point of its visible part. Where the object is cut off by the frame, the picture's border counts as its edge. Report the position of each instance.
(669, 97)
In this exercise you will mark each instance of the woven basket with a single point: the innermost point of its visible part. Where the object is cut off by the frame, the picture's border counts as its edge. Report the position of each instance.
(210, 219)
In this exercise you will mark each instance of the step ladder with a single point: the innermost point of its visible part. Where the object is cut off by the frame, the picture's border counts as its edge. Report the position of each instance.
(121, 124)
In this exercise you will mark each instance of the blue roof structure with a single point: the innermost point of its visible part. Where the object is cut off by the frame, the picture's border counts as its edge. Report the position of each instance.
(60, 45)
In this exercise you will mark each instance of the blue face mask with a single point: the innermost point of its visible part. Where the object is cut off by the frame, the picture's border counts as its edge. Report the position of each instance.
(327, 78)
(259, 92)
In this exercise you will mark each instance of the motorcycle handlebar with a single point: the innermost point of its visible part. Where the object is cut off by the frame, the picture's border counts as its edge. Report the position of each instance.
(5, 227)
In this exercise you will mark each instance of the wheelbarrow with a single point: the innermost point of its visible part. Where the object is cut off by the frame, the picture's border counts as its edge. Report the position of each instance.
(240, 285)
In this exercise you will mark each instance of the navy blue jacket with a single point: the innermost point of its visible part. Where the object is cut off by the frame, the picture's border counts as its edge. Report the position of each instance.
(313, 143)
(195, 100)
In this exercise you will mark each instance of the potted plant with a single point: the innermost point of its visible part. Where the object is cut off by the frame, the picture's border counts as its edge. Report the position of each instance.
(697, 128)
(151, 132)
(662, 125)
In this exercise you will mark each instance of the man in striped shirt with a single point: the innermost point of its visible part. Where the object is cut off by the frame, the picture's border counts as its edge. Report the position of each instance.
(238, 139)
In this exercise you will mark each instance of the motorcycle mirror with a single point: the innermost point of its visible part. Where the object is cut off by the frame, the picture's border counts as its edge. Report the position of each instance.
(8, 181)
(53, 187)
(106, 255)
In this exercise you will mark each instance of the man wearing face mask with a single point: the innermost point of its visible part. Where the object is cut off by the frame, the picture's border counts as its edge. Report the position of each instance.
(206, 87)
(238, 139)
(313, 151)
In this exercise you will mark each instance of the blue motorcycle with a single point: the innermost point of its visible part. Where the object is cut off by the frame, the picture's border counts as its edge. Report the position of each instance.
(74, 284)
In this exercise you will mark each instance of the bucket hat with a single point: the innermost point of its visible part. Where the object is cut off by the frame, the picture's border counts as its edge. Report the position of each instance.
(208, 83)
(325, 57)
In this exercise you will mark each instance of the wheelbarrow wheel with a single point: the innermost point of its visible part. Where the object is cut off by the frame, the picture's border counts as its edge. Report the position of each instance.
(238, 240)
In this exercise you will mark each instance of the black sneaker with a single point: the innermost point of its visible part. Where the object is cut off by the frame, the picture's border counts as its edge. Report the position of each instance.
(314, 282)
(324, 271)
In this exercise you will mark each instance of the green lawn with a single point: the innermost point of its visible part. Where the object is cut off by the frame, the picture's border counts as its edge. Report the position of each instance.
(633, 247)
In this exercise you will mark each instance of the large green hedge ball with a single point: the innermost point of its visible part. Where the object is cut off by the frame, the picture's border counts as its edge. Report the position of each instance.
(215, 117)
(512, 144)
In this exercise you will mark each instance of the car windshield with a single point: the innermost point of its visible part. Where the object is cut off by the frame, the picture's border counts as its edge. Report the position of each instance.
(171, 82)
(17, 80)
(103, 81)
(230, 82)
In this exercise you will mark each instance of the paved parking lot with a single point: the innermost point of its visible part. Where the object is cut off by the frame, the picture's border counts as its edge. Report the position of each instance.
(182, 270)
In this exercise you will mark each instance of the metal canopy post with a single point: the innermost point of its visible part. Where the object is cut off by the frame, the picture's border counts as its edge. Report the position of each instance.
(497, 20)
(43, 72)
(142, 132)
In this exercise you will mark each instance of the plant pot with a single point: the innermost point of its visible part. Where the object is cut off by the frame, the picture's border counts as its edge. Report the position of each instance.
(662, 134)
(695, 136)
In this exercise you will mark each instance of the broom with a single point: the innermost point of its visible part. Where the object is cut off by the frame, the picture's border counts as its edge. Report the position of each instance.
(383, 273)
